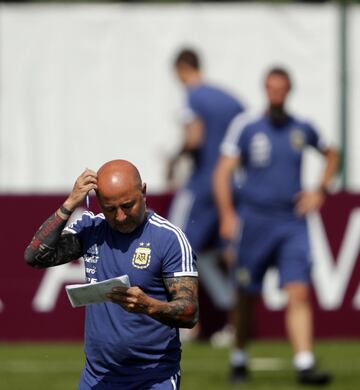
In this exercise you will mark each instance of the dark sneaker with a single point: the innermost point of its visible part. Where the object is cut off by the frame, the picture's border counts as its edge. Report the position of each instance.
(312, 376)
(239, 374)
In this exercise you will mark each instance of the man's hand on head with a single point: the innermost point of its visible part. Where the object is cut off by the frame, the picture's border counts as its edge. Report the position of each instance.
(86, 182)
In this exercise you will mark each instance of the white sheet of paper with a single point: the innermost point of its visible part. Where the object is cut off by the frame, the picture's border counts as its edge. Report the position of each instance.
(85, 294)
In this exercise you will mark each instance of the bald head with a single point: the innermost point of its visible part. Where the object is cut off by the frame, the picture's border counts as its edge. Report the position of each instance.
(118, 175)
(121, 195)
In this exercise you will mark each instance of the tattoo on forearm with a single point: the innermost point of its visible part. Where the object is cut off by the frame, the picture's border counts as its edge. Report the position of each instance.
(49, 247)
(182, 310)
(48, 231)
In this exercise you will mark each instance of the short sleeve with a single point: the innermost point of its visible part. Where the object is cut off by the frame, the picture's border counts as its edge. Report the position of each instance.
(189, 111)
(233, 142)
(179, 258)
(314, 139)
(173, 247)
(194, 102)
(81, 223)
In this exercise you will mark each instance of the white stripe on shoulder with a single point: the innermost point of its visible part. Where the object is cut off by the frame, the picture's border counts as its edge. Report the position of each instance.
(94, 216)
(186, 252)
(229, 145)
(183, 255)
(72, 222)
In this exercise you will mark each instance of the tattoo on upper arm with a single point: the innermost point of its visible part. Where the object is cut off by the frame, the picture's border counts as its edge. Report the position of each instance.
(183, 287)
(182, 310)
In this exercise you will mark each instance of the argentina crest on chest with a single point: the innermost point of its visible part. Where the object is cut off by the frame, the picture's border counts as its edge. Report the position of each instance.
(297, 139)
(142, 255)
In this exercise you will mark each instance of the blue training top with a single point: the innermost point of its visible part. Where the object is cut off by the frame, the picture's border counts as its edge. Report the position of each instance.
(271, 157)
(120, 345)
(215, 108)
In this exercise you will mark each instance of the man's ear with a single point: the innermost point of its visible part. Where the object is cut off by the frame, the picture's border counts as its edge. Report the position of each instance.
(143, 190)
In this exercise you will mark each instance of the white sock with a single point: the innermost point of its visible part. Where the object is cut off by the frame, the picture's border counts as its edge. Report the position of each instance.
(239, 357)
(304, 360)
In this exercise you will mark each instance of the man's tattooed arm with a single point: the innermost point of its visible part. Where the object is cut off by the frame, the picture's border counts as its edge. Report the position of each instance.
(183, 309)
(49, 247)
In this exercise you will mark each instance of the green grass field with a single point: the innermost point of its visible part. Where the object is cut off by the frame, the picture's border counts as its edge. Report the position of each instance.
(57, 366)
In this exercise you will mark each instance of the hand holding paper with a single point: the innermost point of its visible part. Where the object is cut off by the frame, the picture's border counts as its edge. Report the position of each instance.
(88, 293)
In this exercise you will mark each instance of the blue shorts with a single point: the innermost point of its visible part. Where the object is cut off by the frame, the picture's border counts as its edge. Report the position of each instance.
(89, 382)
(268, 239)
(196, 214)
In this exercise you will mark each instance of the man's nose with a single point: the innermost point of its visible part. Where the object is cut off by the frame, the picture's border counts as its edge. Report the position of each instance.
(120, 215)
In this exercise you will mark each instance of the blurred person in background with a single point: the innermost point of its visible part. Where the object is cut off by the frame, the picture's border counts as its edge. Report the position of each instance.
(207, 113)
(270, 219)
(132, 341)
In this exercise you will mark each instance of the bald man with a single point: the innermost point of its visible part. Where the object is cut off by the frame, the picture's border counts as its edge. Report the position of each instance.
(132, 341)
